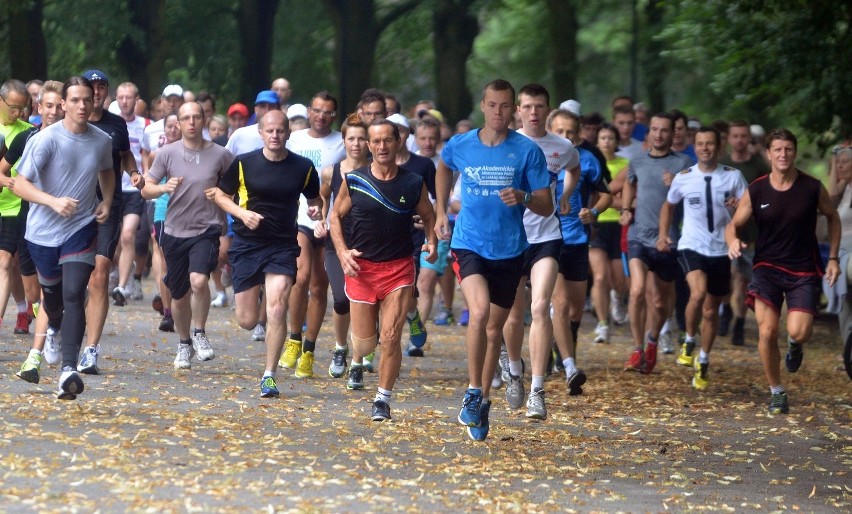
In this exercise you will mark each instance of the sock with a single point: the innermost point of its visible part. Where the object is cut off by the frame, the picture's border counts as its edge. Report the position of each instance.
(704, 357)
(296, 336)
(186, 342)
(197, 331)
(472, 388)
(794, 345)
(308, 345)
(35, 352)
(603, 323)
(776, 389)
(22, 307)
(411, 315)
(575, 328)
(690, 339)
(739, 323)
(516, 368)
(383, 395)
(353, 363)
(570, 366)
(338, 347)
(268, 373)
(167, 312)
(537, 382)
(651, 339)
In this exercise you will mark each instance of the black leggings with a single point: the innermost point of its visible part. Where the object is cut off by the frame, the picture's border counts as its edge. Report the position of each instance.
(335, 278)
(65, 306)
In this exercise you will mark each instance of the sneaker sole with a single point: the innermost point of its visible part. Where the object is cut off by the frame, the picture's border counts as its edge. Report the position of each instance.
(30, 376)
(354, 387)
(304, 375)
(688, 364)
(22, 331)
(79, 387)
(336, 375)
(575, 384)
(89, 370)
(270, 395)
(536, 415)
(469, 425)
(118, 301)
(181, 366)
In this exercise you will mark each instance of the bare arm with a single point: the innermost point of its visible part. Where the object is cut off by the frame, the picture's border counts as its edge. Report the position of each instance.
(65, 206)
(427, 216)
(106, 178)
(626, 203)
(741, 217)
(342, 206)
(663, 240)
(321, 228)
(826, 208)
(443, 184)
(569, 184)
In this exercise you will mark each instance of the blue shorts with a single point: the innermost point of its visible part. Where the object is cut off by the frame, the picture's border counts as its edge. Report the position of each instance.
(440, 263)
(773, 286)
(252, 259)
(48, 260)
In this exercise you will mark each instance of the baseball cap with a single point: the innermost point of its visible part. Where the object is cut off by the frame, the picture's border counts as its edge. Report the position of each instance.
(694, 124)
(267, 97)
(173, 90)
(757, 131)
(238, 109)
(93, 75)
(571, 106)
(297, 111)
(399, 119)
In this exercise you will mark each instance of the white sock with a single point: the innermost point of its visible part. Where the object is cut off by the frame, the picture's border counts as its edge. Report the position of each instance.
(516, 368)
(690, 338)
(704, 357)
(537, 382)
(353, 363)
(383, 395)
(338, 347)
(776, 389)
(22, 307)
(268, 373)
(665, 327)
(570, 366)
(411, 315)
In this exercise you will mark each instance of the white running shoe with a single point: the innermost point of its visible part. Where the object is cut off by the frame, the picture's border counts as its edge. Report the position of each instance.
(221, 300)
(602, 334)
(259, 333)
(52, 347)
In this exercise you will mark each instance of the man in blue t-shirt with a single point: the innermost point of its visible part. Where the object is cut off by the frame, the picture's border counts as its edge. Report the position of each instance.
(501, 172)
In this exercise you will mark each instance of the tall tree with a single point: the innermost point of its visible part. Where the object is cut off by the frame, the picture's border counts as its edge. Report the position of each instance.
(143, 49)
(358, 25)
(255, 24)
(455, 28)
(654, 68)
(562, 28)
(28, 52)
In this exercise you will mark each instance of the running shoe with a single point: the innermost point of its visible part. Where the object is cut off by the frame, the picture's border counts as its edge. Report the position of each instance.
(469, 415)
(666, 343)
(602, 333)
(480, 433)
(356, 377)
(370, 362)
(497, 379)
(157, 304)
(221, 300)
(259, 333)
(185, 354)
(464, 319)
(89, 361)
(52, 347)
(118, 297)
(575, 382)
(504, 363)
(305, 365)
(795, 354)
(167, 324)
(268, 388)
(70, 384)
(686, 357)
(30, 368)
(726, 314)
(292, 350)
(700, 380)
(414, 351)
(515, 392)
(738, 333)
(444, 317)
(650, 356)
(416, 331)
(137, 289)
(617, 309)
(22, 323)
(778, 403)
(558, 366)
(202, 347)
(636, 362)
(535, 404)
(338, 363)
(381, 411)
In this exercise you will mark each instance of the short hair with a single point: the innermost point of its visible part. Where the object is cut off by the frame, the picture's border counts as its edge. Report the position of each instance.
(623, 109)
(610, 127)
(782, 134)
(371, 95)
(535, 90)
(619, 98)
(499, 85)
(76, 81)
(732, 123)
(665, 116)
(35, 81)
(353, 120)
(713, 131)
(428, 123)
(325, 96)
(13, 86)
(392, 125)
(594, 118)
(220, 119)
(205, 96)
(394, 99)
(51, 86)
(128, 85)
(676, 114)
(565, 113)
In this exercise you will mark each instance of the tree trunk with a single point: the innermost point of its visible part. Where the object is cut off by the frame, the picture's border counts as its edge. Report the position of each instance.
(455, 28)
(143, 55)
(562, 24)
(255, 24)
(28, 55)
(654, 67)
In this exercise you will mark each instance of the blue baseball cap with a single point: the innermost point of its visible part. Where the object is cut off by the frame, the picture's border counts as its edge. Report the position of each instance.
(93, 75)
(267, 97)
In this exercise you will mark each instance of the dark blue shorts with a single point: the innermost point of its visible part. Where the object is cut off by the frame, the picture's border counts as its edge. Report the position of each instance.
(251, 260)
(48, 260)
(185, 255)
(772, 286)
(664, 264)
(502, 275)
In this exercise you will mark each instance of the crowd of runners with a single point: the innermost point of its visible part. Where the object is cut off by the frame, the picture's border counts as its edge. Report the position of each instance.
(655, 220)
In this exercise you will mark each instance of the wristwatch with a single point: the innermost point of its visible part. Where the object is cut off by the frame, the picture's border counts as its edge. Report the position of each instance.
(595, 212)
(527, 198)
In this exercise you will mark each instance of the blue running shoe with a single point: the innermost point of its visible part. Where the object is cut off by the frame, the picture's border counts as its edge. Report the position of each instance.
(416, 331)
(464, 318)
(444, 317)
(794, 357)
(268, 388)
(414, 351)
(469, 414)
(480, 433)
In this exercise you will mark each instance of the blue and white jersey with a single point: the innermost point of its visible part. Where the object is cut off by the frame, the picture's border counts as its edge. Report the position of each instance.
(485, 225)
(573, 230)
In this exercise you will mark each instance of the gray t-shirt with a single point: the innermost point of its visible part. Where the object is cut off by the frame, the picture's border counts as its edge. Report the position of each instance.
(61, 164)
(190, 213)
(646, 174)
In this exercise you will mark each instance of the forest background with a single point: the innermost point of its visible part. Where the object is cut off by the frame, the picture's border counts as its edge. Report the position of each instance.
(773, 62)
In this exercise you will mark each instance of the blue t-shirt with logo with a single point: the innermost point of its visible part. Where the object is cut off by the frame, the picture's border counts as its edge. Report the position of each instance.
(485, 225)
(573, 230)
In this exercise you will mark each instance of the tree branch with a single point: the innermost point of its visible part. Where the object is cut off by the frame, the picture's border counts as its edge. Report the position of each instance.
(395, 13)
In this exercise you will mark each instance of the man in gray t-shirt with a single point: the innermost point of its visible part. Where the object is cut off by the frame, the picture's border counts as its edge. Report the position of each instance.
(648, 179)
(58, 174)
(190, 239)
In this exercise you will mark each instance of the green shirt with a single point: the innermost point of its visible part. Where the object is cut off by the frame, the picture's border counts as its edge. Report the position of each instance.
(10, 204)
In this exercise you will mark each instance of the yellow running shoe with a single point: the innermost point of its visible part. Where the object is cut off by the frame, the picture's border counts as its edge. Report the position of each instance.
(305, 366)
(687, 354)
(699, 380)
(292, 349)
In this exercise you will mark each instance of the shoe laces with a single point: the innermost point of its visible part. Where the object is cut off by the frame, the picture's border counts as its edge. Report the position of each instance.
(473, 402)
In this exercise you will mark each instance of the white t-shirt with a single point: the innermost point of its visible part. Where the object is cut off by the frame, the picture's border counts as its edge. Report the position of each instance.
(136, 131)
(245, 139)
(844, 209)
(690, 186)
(560, 154)
(154, 136)
(631, 151)
(323, 152)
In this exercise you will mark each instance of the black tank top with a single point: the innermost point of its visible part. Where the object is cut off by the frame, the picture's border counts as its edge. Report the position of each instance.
(381, 213)
(336, 181)
(786, 224)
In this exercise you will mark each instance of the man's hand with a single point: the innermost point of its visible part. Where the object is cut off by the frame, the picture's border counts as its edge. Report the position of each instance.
(137, 180)
(418, 222)
(668, 176)
(251, 219)
(586, 216)
(210, 193)
(565, 205)
(315, 212)
(347, 262)
(431, 250)
(65, 206)
(626, 217)
(832, 272)
(442, 226)
(664, 243)
(735, 249)
(320, 230)
(172, 184)
(511, 196)
(102, 211)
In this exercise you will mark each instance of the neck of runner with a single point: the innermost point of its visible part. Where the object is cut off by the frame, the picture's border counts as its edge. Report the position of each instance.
(383, 171)
(491, 137)
(275, 155)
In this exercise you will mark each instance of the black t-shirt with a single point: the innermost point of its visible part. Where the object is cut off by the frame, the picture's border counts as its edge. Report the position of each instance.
(424, 167)
(381, 213)
(271, 189)
(585, 145)
(16, 150)
(115, 126)
(346, 222)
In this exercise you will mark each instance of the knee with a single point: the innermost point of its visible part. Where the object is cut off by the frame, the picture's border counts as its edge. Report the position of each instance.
(709, 313)
(540, 308)
(696, 297)
(275, 311)
(198, 282)
(341, 307)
